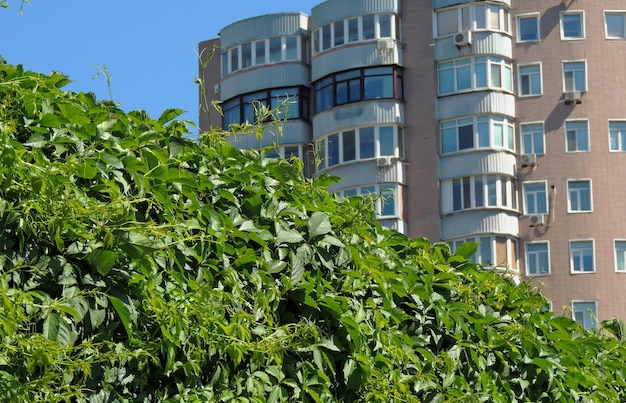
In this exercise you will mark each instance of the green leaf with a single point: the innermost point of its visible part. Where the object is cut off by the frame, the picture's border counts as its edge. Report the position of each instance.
(319, 224)
(288, 236)
(467, 249)
(102, 260)
(86, 170)
(123, 312)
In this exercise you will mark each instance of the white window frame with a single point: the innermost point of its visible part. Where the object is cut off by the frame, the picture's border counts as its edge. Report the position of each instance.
(569, 200)
(527, 257)
(519, 80)
(503, 187)
(317, 35)
(565, 130)
(543, 138)
(582, 25)
(563, 71)
(524, 193)
(606, 27)
(517, 27)
(572, 257)
(615, 254)
(593, 317)
(379, 191)
(621, 145)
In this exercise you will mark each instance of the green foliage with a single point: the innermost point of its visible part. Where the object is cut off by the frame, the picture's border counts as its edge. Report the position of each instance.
(137, 265)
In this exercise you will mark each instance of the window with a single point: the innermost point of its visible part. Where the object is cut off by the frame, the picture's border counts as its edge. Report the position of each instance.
(386, 198)
(477, 133)
(286, 152)
(475, 73)
(535, 197)
(581, 256)
(478, 191)
(363, 28)
(572, 25)
(537, 259)
(579, 198)
(472, 17)
(272, 50)
(585, 314)
(574, 76)
(533, 138)
(620, 255)
(493, 251)
(576, 136)
(617, 135)
(285, 103)
(614, 24)
(358, 85)
(528, 28)
(530, 80)
(362, 143)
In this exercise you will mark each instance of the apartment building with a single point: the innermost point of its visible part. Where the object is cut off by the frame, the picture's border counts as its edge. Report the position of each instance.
(492, 121)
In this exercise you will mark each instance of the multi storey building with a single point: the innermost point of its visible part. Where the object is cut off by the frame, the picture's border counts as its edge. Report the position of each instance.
(492, 121)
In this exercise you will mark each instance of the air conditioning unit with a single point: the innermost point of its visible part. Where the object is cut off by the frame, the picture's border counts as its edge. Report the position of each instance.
(385, 44)
(528, 159)
(537, 220)
(216, 89)
(383, 161)
(572, 97)
(463, 38)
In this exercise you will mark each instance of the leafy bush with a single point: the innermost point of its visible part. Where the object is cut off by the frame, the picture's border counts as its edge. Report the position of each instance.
(137, 265)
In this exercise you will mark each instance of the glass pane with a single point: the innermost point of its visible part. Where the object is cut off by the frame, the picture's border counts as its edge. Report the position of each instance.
(349, 146)
(353, 30)
(246, 55)
(479, 192)
(291, 42)
(225, 64)
(467, 195)
(339, 33)
(466, 137)
(483, 134)
(385, 25)
(446, 81)
(615, 25)
(326, 37)
(448, 140)
(456, 195)
(275, 50)
(496, 75)
(378, 87)
(464, 78)
(480, 16)
(491, 190)
(498, 135)
(528, 29)
(260, 52)
(234, 59)
(494, 17)
(385, 135)
(572, 25)
(341, 93)
(333, 150)
(388, 207)
(480, 71)
(366, 142)
(368, 27)
(447, 22)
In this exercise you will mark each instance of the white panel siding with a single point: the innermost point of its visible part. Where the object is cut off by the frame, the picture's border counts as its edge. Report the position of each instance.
(264, 26)
(333, 10)
(483, 43)
(363, 173)
(475, 163)
(475, 103)
(479, 222)
(268, 76)
(296, 131)
(366, 113)
(447, 3)
(349, 57)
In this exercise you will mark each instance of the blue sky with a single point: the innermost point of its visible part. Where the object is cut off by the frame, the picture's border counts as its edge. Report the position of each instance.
(148, 46)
